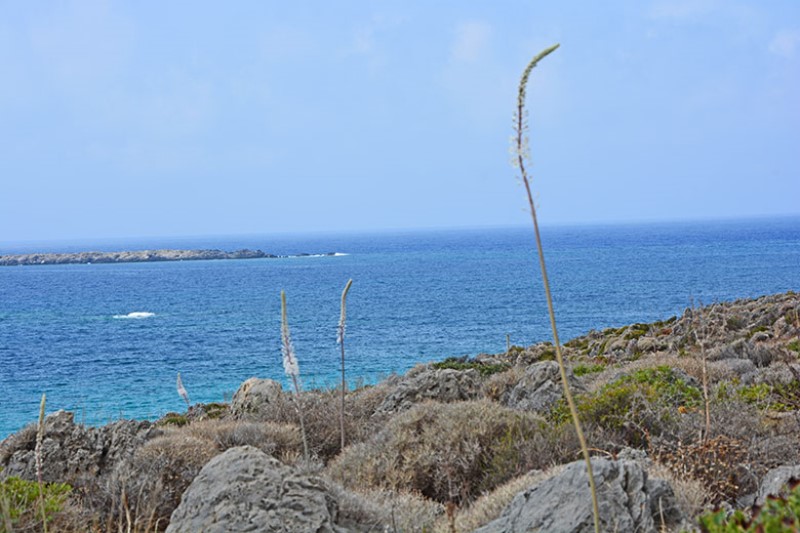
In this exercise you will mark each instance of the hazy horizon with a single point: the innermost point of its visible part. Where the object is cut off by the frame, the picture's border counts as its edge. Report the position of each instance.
(135, 121)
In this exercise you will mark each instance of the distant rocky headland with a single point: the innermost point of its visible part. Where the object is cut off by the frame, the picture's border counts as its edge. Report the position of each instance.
(140, 256)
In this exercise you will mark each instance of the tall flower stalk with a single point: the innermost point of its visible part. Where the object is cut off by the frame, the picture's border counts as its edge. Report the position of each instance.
(182, 390)
(340, 341)
(520, 150)
(292, 369)
(38, 457)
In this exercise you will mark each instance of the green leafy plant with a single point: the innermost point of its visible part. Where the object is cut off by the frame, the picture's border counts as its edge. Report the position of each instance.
(521, 154)
(24, 503)
(583, 369)
(633, 398)
(462, 363)
(778, 515)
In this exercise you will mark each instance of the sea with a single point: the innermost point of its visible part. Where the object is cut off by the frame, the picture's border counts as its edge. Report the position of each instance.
(106, 341)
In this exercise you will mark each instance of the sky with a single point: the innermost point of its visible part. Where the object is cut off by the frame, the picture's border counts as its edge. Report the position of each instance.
(193, 118)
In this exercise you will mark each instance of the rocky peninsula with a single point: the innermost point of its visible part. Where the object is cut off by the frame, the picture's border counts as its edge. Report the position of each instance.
(693, 422)
(139, 256)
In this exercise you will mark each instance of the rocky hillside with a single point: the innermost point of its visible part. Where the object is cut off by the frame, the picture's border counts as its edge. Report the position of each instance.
(686, 415)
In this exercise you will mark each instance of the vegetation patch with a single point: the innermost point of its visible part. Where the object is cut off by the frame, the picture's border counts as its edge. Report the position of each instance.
(778, 514)
(463, 363)
(794, 346)
(583, 369)
(636, 330)
(646, 398)
(21, 505)
(772, 397)
(173, 419)
(448, 452)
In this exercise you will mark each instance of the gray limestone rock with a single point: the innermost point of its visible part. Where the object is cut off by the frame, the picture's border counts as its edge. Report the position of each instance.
(540, 388)
(443, 385)
(776, 480)
(628, 500)
(254, 396)
(244, 489)
(72, 453)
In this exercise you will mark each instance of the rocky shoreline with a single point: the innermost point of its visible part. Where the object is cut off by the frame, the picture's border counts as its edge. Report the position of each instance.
(139, 256)
(691, 417)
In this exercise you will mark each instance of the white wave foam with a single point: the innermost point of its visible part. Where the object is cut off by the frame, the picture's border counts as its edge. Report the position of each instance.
(136, 314)
(339, 254)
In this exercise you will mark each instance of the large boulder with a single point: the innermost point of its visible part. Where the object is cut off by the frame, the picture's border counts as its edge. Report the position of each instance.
(254, 397)
(72, 453)
(244, 489)
(628, 501)
(777, 482)
(540, 388)
(428, 383)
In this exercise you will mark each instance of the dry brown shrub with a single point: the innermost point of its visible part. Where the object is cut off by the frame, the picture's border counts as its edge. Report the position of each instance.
(145, 489)
(278, 440)
(386, 510)
(719, 464)
(691, 495)
(498, 386)
(321, 411)
(450, 452)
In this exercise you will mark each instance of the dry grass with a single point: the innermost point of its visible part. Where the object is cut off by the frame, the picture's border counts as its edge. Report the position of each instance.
(386, 510)
(489, 506)
(321, 410)
(691, 495)
(450, 452)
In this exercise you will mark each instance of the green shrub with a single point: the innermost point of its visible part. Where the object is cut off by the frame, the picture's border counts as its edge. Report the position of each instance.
(460, 363)
(779, 397)
(757, 329)
(583, 369)
(794, 346)
(778, 515)
(20, 505)
(646, 397)
(173, 419)
(635, 331)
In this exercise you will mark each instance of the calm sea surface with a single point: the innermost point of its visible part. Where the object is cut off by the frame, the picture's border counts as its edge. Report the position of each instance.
(415, 297)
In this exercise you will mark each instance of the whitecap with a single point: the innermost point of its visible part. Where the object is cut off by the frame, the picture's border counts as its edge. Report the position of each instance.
(136, 314)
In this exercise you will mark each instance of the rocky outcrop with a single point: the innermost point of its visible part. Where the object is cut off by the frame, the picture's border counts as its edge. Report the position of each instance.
(254, 397)
(245, 489)
(139, 256)
(72, 453)
(540, 388)
(777, 482)
(628, 500)
(427, 383)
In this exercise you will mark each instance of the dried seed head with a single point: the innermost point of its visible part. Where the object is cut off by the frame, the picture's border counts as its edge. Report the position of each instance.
(290, 365)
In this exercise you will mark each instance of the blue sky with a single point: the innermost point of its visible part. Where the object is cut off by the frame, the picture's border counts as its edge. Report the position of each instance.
(125, 119)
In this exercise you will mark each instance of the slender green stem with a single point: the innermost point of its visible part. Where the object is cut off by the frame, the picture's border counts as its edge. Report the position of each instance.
(520, 127)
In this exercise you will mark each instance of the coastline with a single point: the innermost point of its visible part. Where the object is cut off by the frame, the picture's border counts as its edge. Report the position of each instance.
(140, 256)
(687, 414)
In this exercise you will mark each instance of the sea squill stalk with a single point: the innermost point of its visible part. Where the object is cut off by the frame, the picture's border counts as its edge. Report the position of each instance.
(38, 457)
(521, 154)
(340, 340)
(182, 391)
(292, 369)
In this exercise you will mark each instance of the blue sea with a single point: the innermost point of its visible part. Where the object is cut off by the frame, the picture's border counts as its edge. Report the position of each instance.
(416, 296)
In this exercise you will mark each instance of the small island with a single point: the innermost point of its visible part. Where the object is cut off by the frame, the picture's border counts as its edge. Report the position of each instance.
(140, 256)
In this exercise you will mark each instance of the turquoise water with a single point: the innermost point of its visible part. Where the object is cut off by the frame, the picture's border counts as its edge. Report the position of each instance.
(415, 297)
